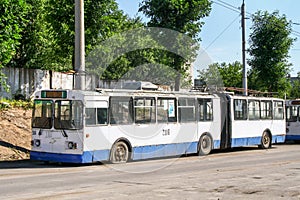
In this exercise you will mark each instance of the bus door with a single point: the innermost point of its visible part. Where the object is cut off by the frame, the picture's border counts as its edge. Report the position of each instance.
(226, 121)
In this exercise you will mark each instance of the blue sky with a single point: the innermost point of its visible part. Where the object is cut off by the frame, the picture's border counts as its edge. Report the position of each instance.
(221, 35)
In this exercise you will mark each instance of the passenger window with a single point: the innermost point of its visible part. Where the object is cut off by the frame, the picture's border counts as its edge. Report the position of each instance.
(144, 110)
(278, 110)
(266, 110)
(121, 110)
(186, 109)
(102, 116)
(166, 110)
(292, 113)
(205, 109)
(240, 109)
(253, 110)
(90, 116)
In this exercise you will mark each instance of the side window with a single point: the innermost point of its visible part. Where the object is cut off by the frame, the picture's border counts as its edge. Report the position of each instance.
(121, 110)
(144, 110)
(291, 113)
(186, 110)
(205, 109)
(166, 110)
(253, 110)
(90, 116)
(266, 109)
(102, 116)
(278, 110)
(95, 116)
(240, 109)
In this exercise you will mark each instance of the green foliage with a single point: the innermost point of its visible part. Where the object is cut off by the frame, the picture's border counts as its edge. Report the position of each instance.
(183, 16)
(270, 42)
(7, 104)
(12, 23)
(222, 75)
(102, 20)
(295, 88)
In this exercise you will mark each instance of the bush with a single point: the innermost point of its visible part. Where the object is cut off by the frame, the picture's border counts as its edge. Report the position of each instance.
(6, 104)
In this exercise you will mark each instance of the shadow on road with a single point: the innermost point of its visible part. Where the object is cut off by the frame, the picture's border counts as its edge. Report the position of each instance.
(17, 164)
(24, 164)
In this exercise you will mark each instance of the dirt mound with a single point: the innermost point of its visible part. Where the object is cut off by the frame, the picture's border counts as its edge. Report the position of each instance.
(15, 134)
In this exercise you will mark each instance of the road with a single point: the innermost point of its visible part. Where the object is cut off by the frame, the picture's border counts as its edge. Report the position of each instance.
(244, 173)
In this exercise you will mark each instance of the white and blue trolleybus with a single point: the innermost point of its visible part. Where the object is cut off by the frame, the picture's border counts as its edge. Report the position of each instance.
(292, 120)
(76, 126)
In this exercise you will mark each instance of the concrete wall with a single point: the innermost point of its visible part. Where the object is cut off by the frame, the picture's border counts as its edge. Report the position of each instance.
(26, 81)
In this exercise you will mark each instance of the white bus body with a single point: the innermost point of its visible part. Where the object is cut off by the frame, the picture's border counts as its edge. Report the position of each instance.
(84, 126)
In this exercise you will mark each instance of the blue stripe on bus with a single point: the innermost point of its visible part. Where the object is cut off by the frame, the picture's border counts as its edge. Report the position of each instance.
(162, 150)
(145, 152)
(86, 157)
(292, 137)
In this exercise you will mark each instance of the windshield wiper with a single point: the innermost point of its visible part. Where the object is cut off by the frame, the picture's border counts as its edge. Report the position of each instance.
(64, 133)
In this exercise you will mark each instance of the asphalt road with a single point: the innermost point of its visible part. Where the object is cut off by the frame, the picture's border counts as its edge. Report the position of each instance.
(244, 173)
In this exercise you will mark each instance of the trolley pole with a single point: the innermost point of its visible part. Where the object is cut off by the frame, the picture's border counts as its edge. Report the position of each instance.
(79, 46)
(245, 86)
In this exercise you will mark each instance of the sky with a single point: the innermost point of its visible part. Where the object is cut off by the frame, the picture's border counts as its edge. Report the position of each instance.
(221, 36)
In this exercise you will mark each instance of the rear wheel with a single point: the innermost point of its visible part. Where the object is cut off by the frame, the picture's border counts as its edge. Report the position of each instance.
(266, 140)
(119, 153)
(205, 145)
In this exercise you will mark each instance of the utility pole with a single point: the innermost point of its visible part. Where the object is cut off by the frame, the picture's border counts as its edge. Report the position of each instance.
(79, 46)
(245, 86)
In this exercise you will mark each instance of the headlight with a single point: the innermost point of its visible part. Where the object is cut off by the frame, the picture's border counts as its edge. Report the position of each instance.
(37, 143)
(72, 145)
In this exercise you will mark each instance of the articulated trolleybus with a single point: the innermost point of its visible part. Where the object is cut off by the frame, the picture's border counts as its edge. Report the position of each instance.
(119, 125)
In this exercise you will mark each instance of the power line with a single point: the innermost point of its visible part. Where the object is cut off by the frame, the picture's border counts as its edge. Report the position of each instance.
(227, 4)
(226, 28)
(232, 9)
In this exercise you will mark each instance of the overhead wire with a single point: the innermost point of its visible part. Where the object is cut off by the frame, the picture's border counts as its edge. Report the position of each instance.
(237, 10)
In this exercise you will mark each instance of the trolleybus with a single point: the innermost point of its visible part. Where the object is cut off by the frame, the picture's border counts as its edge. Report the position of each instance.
(76, 126)
(292, 120)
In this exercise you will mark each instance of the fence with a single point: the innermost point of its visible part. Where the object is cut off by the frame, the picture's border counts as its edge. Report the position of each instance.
(23, 82)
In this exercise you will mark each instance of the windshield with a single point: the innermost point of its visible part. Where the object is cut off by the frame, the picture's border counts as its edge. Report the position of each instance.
(68, 115)
(42, 114)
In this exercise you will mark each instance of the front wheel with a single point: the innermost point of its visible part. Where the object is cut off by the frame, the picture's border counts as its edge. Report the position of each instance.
(119, 153)
(266, 140)
(205, 145)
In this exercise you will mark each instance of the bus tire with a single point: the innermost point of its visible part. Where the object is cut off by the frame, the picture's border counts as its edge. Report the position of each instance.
(266, 140)
(119, 153)
(205, 145)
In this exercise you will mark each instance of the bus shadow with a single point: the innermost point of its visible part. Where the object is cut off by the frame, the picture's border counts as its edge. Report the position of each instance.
(11, 146)
(29, 164)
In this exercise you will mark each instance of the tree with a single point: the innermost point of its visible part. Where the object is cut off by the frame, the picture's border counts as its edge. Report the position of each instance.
(183, 16)
(35, 40)
(102, 20)
(269, 42)
(295, 89)
(222, 75)
(12, 23)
